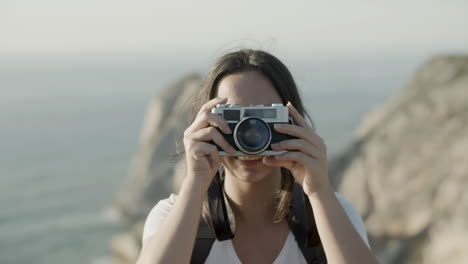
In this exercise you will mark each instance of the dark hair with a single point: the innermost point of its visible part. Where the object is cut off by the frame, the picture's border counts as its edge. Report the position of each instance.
(271, 67)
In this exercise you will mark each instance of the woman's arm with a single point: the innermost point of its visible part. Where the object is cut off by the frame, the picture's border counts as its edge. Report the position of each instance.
(175, 238)
(306, 158)
(341, 241)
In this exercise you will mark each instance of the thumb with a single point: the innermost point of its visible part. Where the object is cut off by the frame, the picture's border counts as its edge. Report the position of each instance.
(273, 162)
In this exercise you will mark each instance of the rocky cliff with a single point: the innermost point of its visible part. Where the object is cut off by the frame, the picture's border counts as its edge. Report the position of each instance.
(405, 172)
(156, 170)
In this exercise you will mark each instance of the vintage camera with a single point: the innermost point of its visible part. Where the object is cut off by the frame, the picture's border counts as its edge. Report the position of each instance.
(252, 128)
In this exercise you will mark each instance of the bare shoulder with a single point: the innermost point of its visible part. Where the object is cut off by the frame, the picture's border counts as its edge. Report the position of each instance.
(157, 215)
(353, 216)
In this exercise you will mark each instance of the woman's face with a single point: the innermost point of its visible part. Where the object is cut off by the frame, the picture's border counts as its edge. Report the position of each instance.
(248, 88)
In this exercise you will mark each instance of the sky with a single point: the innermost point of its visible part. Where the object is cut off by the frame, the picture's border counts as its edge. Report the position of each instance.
(58, 27)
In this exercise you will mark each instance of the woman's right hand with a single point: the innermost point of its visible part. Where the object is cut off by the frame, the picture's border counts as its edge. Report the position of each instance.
(202, 157)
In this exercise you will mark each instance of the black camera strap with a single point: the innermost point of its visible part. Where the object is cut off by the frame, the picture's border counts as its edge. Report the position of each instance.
(300, 219)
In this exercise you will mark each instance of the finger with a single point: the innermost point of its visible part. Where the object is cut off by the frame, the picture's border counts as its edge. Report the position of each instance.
(297, 117)
(273, 162)
(298, 144)
(215, 159)
(301, 132)
(293, 130)
(210, 133)
(210, 104)
(208, 151)
(297, 156)
(203, 149)
(205, 119)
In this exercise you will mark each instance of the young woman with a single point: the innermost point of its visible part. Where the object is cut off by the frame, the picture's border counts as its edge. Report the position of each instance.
(258, 190)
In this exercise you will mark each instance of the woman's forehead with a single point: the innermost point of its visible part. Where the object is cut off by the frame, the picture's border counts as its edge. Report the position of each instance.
(248, 88)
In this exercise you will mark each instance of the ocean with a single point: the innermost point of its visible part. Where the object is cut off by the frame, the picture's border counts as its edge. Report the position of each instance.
(69, 128)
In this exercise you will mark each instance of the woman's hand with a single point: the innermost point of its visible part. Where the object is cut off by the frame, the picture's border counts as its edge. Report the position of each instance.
(203, 158)
(306, 156)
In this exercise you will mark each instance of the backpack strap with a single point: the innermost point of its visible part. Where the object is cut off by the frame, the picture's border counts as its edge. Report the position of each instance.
(314, 255)
(203, 243)
(219, 209)
(301, 221)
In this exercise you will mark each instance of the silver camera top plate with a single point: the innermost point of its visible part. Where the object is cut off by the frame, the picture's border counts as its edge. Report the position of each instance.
(233, 113)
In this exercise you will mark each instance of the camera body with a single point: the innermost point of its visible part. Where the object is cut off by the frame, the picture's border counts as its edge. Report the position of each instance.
(252, 128)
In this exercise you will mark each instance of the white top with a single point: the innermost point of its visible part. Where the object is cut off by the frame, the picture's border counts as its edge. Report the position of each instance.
(223, 251)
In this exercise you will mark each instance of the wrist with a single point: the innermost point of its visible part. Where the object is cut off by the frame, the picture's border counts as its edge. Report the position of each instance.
(321, 193)
(197, 182)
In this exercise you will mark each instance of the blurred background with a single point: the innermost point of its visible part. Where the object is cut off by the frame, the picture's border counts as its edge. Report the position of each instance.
(77, 79)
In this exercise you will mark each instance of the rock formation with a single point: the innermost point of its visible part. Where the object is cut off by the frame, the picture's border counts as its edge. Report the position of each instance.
(406, 171)
(154, 168)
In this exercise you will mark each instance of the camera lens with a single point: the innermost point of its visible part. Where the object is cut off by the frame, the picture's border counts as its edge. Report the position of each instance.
(252, 135)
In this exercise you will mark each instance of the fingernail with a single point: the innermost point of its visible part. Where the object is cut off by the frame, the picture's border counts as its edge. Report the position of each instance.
(228, 130)
(274, 145)
(278, 126)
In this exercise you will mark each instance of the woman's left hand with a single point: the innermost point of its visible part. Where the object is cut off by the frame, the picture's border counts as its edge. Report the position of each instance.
(306, 156)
